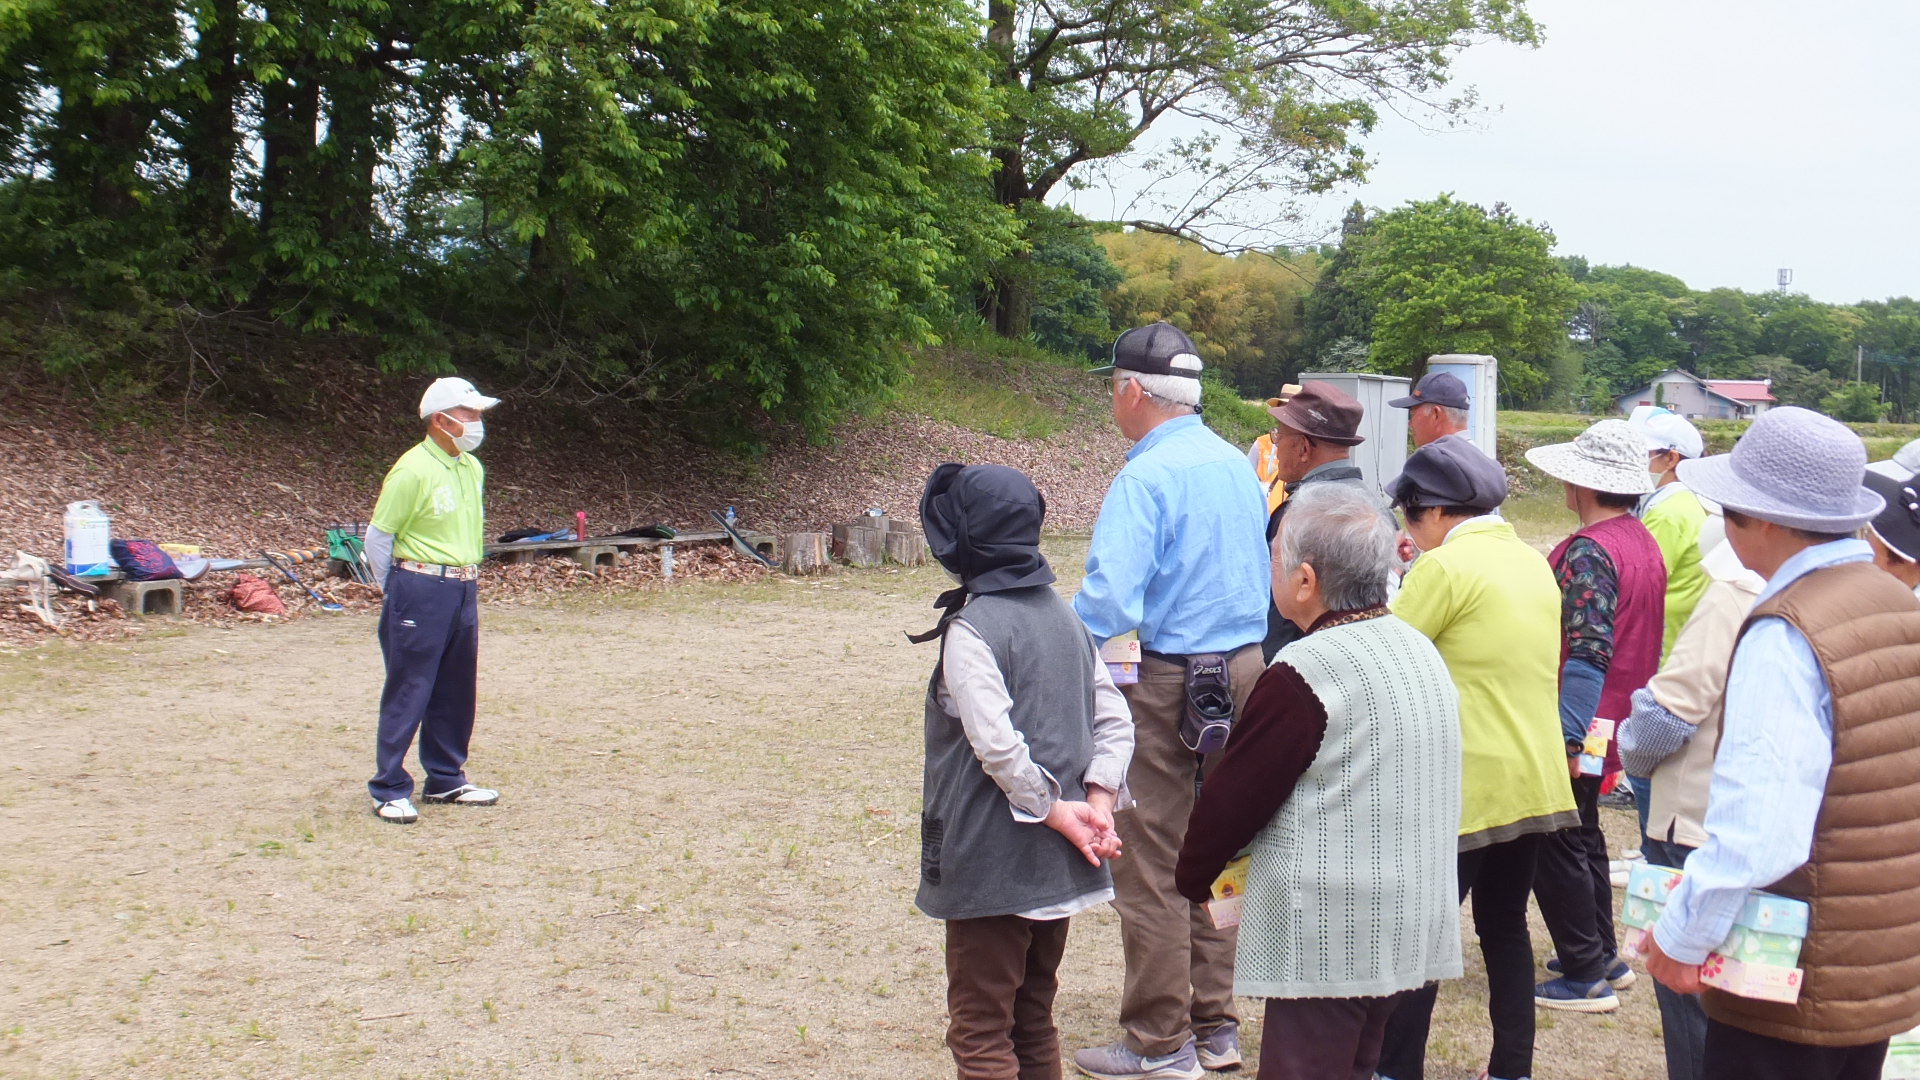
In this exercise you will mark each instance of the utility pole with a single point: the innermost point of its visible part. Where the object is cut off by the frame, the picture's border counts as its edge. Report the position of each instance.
(1859, 361)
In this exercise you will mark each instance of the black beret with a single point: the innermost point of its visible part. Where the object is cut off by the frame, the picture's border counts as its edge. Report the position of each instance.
(1450, 472)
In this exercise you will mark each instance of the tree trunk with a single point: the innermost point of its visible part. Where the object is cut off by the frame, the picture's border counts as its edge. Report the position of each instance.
(906, 547)
(210, 143)
(289, 120)
(346, 160)
(547, 265)
(95, 146)
(1008, 302)
(806, 553)
(859, 544)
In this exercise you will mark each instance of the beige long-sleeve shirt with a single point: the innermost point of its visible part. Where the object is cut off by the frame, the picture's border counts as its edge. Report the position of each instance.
(1692, 686)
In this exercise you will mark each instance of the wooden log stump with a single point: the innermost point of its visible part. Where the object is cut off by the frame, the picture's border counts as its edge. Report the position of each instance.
(906, 548)
(860, 545)
(806, 553)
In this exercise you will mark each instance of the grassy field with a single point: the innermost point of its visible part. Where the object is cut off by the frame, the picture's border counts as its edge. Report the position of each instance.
(702, 866)
(1535, 428)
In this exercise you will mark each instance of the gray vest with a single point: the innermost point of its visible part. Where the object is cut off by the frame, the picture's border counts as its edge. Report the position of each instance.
(975, 859)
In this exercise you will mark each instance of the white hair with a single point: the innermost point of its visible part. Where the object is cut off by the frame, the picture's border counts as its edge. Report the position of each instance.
(1172, 389)
(1454, 417)
(1343, 532)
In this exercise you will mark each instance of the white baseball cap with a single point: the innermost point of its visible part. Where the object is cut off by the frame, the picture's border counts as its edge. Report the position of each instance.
(1906, 462)
(1667, 430)
(453, 393)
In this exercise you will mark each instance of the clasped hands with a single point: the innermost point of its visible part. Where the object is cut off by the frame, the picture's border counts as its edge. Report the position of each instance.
(1676, 975)
(1087, 825)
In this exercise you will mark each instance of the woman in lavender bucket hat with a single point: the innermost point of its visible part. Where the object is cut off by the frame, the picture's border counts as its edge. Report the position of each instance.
(1813, 795)
(1794, 467)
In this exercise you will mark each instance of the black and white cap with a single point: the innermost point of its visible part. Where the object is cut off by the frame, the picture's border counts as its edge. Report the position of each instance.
(1898, 523)
(1158, 349)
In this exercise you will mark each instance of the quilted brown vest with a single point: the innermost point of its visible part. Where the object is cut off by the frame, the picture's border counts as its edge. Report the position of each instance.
(1862, 881)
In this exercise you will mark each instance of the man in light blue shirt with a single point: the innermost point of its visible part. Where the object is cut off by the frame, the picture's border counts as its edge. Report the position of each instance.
(1179, 553)
(1792, 495)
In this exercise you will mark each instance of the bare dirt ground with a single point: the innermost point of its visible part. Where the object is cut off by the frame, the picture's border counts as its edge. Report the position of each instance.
(702, 865)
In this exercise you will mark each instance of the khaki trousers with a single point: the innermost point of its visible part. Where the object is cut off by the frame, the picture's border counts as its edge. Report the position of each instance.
(1179, 968)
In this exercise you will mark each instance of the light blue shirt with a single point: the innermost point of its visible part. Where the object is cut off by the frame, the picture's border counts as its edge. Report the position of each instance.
(1769, 775)
(1180, 549)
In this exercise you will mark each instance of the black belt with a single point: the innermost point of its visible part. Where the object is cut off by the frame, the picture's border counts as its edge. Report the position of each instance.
(1173, 658)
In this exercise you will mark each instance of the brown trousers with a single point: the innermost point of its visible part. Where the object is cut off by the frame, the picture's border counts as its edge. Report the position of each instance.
(1179, 968)
(1323, 1038)
(1000, 985)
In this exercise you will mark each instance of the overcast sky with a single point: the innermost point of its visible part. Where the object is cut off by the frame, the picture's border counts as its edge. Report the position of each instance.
(1716, 140)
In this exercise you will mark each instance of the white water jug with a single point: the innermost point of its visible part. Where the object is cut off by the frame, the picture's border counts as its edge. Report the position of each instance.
(89, 533)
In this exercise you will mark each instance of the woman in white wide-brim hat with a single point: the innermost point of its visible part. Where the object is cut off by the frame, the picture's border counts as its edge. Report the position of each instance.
(1613, 585)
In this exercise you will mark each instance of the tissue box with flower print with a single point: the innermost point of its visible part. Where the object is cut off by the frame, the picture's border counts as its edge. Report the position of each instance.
(1651, 883)
(1122, 656)
(1760, 982)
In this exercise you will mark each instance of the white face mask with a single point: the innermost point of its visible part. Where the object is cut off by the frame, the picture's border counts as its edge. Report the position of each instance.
(472, 434)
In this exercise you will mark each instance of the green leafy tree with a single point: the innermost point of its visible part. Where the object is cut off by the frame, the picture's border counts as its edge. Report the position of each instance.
(1889, 335)
(1856, 402)
(1281, 90)
(1243, 312)
(1720, 330)
(741, 212)
(1334, 311)
(1623, 322)
(1814, 335)
(1071, 274)
(1446, 276)
(1793, 384)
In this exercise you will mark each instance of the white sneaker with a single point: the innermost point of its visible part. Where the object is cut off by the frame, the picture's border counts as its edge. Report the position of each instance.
(464, 795)
(398, 811)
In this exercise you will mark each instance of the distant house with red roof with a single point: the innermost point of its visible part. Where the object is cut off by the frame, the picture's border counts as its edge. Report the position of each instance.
(1703, 399)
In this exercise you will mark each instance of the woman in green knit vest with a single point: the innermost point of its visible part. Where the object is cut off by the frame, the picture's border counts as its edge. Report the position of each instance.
(1343, 777)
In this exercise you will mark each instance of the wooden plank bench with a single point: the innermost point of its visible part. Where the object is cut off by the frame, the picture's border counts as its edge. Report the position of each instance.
(596, 552)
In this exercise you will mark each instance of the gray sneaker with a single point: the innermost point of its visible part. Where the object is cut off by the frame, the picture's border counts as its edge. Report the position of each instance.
(1115, 1062)
(1219, 1049)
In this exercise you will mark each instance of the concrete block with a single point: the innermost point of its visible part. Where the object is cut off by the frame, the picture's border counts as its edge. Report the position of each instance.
(147, 597)
(596, 557)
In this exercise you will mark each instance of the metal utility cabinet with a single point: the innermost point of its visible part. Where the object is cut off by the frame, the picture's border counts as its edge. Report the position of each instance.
(1385, 427)
(1482, 376)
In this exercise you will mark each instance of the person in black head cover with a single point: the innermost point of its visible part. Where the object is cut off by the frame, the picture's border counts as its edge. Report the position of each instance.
(1895, 534)
(1027, 747)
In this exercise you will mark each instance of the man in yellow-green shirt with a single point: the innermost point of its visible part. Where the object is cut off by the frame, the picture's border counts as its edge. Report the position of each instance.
(1490, 605)
(425, 544)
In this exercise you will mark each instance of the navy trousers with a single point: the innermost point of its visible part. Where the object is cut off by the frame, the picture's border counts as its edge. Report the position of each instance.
(1733, 1054)
(1683, 1022)
(430, 637)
